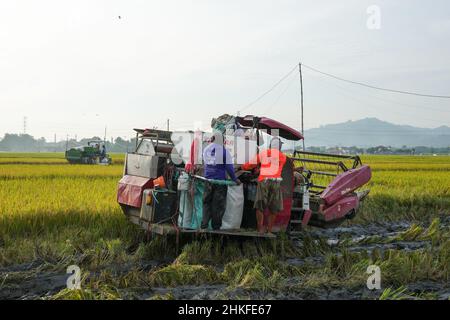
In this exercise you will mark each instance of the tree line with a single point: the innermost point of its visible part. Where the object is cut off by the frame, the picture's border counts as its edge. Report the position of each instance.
(12, 142)
(26, 143)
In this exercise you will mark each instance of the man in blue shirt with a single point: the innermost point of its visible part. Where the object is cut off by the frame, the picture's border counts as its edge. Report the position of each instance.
(217, 163)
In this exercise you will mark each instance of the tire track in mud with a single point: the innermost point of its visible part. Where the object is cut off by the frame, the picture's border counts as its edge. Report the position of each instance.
(366, 238)
(360, 238)
(37, 279)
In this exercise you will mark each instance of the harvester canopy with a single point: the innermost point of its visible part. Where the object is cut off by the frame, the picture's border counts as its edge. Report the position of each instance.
(270, 125)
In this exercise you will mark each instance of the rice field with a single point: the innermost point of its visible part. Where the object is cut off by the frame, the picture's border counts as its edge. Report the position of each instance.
(53, 215)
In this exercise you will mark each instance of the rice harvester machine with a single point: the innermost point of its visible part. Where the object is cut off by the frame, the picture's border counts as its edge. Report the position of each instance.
(93, 153)
(162, 184)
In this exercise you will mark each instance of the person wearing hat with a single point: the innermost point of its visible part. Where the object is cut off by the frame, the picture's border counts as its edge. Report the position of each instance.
(268, 192)
(217, 163)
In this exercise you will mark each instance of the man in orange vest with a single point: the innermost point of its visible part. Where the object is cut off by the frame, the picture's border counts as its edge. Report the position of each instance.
(268, 192)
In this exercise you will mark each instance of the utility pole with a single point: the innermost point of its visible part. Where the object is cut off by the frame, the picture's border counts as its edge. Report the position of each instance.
(55, 141)
(301, 102)
(168, 125)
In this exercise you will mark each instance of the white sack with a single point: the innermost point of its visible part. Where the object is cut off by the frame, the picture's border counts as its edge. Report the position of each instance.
(185, 210)
(234, 210)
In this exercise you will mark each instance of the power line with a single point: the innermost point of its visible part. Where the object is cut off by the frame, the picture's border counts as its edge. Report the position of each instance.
(375, 87)
(280, 95)
(341, 79)
(270, 90)
(368, 104)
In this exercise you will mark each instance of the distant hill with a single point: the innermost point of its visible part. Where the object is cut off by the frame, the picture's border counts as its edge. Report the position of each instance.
(373, 132)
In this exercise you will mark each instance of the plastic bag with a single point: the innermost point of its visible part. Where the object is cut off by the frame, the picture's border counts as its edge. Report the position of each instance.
(234, 210)
(185, 210)
(197, 210)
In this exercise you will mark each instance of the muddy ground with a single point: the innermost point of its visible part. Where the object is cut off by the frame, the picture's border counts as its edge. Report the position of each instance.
(39, 279)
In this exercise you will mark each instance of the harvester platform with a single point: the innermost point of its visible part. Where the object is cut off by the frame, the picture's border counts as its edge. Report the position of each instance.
(168, 229)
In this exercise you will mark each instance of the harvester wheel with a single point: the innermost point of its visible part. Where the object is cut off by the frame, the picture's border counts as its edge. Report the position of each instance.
(351, 214)
(293, 228)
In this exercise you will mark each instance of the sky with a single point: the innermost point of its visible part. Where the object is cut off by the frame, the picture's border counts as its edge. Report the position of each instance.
(74, 67)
